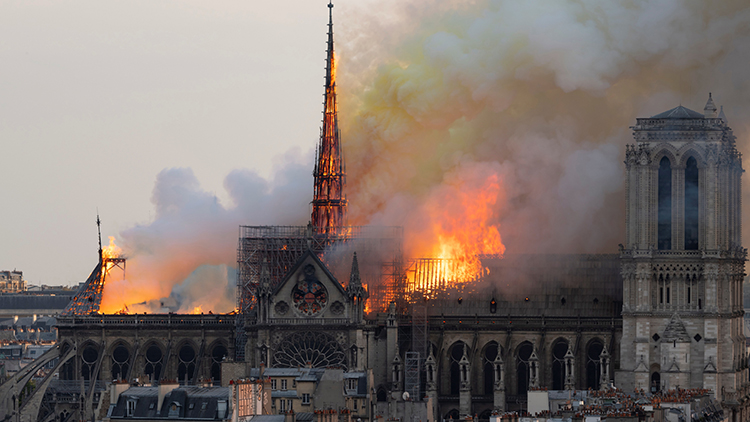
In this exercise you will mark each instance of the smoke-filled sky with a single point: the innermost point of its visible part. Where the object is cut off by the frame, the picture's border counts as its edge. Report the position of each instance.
(461, 120)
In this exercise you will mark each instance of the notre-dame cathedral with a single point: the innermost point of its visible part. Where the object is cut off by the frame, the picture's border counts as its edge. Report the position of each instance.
(664, 313)
(682, 262)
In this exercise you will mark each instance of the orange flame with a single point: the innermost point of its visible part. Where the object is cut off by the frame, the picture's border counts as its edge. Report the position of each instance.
(110, 252)
(462, 229)
(334, 66)
(197, 310)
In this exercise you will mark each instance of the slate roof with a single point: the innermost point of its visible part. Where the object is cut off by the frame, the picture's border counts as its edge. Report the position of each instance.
(268, 418)
(191, 403)
(8, 302)
(679, 112)
(282, 372)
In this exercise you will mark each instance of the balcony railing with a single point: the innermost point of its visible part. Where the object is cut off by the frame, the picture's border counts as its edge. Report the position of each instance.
(147, 320)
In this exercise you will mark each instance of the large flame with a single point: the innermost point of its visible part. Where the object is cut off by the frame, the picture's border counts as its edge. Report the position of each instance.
(334, 65)
(110, 253)
(460, 230)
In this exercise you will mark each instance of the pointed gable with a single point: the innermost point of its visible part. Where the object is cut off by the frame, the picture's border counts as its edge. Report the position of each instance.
(311, 258)
(309, 290)
(679, 112)
(675, 330)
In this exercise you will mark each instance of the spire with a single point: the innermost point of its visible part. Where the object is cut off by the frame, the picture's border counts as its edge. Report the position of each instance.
(329, 202)
(709, 111)
(330, 59)
(354, 279)
(99, 229)
(723, 116)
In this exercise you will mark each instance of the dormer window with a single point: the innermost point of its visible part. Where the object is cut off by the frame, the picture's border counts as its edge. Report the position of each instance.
(131, 406)
(174, 410)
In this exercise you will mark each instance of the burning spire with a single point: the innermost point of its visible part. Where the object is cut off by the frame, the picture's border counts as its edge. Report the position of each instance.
(89, 296)
(329, 202)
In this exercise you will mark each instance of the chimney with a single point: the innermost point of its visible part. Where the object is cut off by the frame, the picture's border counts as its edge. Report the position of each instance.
(165, 388)
(116, 389)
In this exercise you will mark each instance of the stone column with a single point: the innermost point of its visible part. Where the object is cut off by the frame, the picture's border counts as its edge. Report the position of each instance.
(570, 365)
(499, 390)
(464, 398)
(431, 381)
(397, 371)
(534, 370)
(604, 369)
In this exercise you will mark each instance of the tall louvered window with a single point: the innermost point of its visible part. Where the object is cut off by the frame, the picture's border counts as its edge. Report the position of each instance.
(691, 205)
(665, 205)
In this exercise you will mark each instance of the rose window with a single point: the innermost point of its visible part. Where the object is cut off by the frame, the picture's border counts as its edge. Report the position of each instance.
(309, 296)
(319, 350)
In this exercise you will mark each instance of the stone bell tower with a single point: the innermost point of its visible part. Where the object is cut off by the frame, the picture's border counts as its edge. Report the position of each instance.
(682, 262)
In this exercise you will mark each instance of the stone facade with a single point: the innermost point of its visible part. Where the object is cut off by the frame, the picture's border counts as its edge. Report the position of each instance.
(664, 313)
(682, 261)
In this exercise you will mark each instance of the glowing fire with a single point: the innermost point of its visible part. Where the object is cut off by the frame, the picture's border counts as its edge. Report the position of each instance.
(197, 310)
(334, 65)
(461, 228)
(111, 252)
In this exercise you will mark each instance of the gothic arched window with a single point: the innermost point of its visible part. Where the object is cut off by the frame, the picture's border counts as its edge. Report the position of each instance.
(558, 364)
(153, 362)
(664, 231)
(186, 366)
(88, 362)
(593, 370)
(522, 367)
(457, 352)
(490, 353)
(655, 382)
(120, 362)
(217, 356)
(691, 204)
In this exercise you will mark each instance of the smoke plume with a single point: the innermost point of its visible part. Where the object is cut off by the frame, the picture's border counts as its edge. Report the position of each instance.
(536, 94)
(505, 121)
(184, 260)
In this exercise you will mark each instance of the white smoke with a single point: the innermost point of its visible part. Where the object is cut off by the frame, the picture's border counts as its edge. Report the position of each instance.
(437, 97)
(186, 257)
(541, 91)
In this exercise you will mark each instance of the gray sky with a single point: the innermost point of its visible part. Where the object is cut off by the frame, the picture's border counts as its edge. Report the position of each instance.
(97, 97)
(438, 97)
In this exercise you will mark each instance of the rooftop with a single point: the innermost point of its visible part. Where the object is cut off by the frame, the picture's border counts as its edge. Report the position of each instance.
(679, 112)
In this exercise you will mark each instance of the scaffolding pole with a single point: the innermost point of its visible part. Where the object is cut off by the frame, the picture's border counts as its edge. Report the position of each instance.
(379, 250)
(411, 376)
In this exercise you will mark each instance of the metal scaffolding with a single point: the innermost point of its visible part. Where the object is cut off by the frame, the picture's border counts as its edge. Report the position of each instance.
(379, 251)
(411, 375)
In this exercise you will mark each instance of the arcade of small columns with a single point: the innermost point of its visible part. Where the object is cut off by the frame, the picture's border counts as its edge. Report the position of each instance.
(478, 365)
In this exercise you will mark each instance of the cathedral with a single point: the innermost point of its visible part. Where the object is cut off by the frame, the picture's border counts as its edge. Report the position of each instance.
(665, 313)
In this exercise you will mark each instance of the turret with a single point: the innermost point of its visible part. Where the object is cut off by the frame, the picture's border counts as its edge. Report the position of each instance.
(709, 111)
(356, 292)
